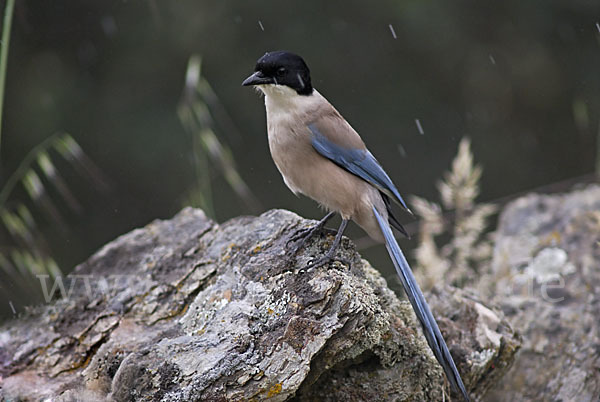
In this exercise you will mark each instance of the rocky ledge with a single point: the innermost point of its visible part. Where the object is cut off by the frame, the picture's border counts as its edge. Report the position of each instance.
(186, 310)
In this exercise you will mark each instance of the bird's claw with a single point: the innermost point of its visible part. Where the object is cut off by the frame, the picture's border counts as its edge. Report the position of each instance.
(300, 235)
(303, 235)
(326, 259)
(299, 239)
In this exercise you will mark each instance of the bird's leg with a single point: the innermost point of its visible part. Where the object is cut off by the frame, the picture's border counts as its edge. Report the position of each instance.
(331, 252)
(303, 235)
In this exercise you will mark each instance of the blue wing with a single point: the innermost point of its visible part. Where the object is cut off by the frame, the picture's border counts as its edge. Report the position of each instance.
(357, 161)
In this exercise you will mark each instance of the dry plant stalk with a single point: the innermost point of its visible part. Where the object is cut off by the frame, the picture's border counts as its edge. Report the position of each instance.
(24, 252)
(458, 260)
(194, 112)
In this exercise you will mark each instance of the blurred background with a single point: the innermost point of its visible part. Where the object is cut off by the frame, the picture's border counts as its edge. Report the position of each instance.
(520, 79)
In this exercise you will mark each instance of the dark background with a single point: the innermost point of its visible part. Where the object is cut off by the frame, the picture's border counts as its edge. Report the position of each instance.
(520, 78)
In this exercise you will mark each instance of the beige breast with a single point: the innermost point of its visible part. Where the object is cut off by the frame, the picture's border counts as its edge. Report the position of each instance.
(304, 170)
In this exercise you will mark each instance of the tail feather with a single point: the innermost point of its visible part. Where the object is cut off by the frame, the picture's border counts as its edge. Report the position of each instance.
(391, 217)
(417, 300)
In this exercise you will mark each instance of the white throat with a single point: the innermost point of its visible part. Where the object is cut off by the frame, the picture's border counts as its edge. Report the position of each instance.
(281, 99)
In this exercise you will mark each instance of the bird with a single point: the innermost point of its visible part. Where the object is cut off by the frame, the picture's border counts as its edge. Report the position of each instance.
(321, 156)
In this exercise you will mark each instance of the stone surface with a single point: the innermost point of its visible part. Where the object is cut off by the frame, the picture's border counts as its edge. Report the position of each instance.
(186, 310)
(546, 278)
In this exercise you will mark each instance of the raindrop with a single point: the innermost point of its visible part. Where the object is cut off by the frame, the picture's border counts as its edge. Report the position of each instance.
(402, 151)
(12, 307)
(261, 25)
(393, 32)
(492, 59)
(109, 25)
(300, 80)
(419, 127)
(598, 26)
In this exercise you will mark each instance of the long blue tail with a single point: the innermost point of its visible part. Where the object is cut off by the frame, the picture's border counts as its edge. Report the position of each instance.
(422, 311)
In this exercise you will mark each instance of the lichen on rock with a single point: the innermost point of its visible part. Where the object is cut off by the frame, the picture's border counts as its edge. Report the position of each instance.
(186, 309)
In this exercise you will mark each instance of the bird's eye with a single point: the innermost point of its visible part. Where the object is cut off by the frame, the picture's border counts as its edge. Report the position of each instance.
(281, 71)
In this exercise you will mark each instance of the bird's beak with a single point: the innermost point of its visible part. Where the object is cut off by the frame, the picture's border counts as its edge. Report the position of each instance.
(258, 78)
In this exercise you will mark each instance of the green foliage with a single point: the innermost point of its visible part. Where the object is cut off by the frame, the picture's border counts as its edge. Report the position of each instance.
(467, 248)
(209, 154)
(24, 253)
(37, 187)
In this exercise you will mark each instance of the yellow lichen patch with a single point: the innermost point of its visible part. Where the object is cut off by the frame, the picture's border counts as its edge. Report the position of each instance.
(256, 249)
(228, 252)
(180, 311)
(274, 390)
(270, 311)
(552, 239)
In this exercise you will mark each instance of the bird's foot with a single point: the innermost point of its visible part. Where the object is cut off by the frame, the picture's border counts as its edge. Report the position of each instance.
(332, 250)
(329, 256)
(326, 259)
(299, 239)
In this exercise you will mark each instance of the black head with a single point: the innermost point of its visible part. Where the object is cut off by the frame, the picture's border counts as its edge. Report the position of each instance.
(282, 68)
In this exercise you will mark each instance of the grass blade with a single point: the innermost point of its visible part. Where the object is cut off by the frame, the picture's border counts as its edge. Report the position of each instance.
(6, 27)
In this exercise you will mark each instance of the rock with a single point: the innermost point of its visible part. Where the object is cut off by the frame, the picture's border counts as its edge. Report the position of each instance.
(186, 310)
(546, 278)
